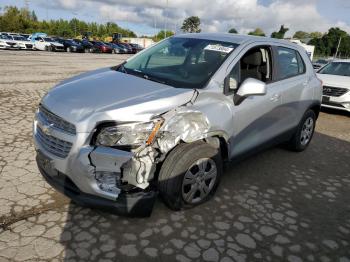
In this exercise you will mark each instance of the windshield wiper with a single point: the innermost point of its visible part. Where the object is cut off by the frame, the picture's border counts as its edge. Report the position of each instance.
(151, 78)
(122, 69)
(141, 74)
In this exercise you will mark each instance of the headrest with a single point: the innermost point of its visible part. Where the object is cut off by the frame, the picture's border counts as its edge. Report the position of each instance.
(254, 58)
(212, 56)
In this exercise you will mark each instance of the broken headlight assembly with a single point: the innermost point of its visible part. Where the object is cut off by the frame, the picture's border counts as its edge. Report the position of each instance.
(128, 135)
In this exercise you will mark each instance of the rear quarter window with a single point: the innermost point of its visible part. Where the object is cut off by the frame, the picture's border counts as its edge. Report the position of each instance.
(289, 63)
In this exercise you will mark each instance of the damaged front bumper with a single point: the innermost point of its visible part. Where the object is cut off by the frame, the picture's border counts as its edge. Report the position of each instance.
(136, 204)
(93, 177)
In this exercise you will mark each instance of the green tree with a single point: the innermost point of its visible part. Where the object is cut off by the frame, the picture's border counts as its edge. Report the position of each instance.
(191, 25)
(26, 21)
(233, 31)
(316, 34)
(301, 35)
(161, 35)
(280, 34)
(257, 32)
(328, 43)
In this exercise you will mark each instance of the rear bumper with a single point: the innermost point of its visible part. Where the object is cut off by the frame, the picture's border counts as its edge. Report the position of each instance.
(138, 204)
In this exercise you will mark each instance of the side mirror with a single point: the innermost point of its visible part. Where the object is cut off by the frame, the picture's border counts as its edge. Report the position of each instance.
(250, 87)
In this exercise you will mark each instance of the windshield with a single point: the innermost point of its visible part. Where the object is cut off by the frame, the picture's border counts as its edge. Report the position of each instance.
(47, 39)
(71, 42)
(180, 62)
(20, 38)
(336, 68)
(5, 37)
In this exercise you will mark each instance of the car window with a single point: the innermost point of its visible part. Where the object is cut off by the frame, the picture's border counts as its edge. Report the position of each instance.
(256, 63)
(289, 63)
(181, 62)
(336, 68)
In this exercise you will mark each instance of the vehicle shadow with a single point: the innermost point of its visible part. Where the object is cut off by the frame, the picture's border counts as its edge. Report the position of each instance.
(335, 111)
(271, 206)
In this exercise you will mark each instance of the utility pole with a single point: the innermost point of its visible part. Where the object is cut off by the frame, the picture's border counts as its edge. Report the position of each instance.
(26, 4)
(336, 53)
(166, 17)
(47, 12)
(75, 23)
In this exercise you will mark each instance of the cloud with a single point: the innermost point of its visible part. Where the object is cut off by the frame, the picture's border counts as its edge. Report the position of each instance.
(218, 15)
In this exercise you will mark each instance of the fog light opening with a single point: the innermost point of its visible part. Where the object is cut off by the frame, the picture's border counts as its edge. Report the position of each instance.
(108, 181)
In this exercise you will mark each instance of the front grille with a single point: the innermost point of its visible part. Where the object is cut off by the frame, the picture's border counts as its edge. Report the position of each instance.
(10, 43)
(29, 46)
(334, 91)
(52, 144)
(57, 122)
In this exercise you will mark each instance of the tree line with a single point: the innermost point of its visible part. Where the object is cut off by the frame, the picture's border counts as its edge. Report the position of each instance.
(23, 20)
(334, 42)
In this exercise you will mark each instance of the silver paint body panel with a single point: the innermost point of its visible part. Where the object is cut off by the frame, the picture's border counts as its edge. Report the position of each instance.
(106, 95)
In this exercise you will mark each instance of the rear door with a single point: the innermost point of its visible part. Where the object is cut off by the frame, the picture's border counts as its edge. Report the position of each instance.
(292, 78)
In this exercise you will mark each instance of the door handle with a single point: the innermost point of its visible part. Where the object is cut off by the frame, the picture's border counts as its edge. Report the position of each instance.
(275, 97)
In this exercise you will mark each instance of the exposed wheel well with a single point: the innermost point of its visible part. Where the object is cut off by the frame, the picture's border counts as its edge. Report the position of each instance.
(316, 108)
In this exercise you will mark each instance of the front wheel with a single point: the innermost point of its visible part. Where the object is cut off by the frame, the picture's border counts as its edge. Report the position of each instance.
(190, 175)
(304, 133)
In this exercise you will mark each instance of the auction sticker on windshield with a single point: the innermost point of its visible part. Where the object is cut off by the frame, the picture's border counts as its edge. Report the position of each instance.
(219, 48)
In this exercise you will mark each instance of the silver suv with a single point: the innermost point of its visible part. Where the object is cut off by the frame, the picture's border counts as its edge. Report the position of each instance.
(166, 119)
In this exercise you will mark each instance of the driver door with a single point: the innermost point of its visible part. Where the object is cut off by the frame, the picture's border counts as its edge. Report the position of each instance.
(256, 118)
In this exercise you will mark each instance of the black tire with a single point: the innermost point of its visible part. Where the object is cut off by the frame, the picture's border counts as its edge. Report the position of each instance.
(296, 142)
(174, 168)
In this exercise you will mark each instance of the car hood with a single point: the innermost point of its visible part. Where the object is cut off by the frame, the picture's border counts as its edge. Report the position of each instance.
(335, 80)
(106, 94)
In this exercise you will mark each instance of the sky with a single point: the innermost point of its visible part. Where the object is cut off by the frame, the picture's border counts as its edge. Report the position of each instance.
(146, 17)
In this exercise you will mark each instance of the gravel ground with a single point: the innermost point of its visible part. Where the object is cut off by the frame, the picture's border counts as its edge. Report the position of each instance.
(274, 206)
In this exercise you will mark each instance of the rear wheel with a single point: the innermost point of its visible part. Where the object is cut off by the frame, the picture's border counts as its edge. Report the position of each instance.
(190, 175)
(304, 133)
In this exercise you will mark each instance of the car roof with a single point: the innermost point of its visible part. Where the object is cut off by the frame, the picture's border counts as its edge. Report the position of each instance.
(235, 38)
(342, 60)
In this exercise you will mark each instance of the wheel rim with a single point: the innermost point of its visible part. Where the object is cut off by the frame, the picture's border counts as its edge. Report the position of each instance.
(306, 131)
(199, 180)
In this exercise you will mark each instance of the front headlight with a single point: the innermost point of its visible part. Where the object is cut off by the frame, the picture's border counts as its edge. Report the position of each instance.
(133, 134)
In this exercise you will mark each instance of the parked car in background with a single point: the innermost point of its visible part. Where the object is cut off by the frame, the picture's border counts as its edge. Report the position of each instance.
(6, 42)
(336, 84)
(137, 47)
(100, 47)
(127, 47)
(70, 45)
(159, 122)
(320, 63)
(88, 47)
(22, 43)
(46, 44)
(26, 36)
(117, 49)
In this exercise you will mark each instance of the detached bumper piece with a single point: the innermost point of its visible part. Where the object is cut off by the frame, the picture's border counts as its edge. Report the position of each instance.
(139, 204)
